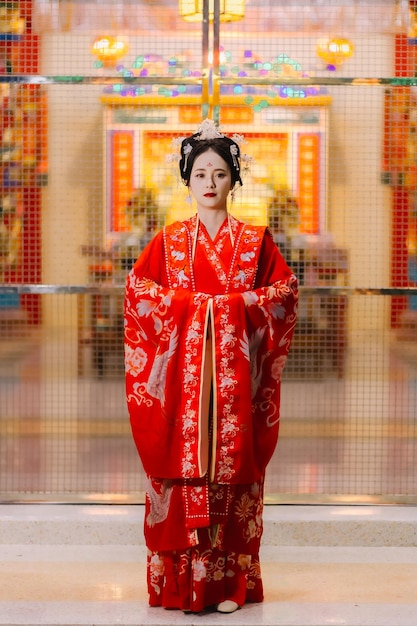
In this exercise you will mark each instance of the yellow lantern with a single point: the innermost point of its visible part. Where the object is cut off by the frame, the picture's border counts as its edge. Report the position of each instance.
(109, 50)
(335, 51)
(230, 10)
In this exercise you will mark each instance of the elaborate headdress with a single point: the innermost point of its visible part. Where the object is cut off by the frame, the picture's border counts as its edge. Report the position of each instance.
(213, 135)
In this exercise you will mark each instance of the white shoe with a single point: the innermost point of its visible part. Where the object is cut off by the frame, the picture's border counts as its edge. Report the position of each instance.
(227, 606)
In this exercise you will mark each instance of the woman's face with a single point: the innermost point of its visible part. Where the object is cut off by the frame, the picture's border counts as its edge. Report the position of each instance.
(210, 181)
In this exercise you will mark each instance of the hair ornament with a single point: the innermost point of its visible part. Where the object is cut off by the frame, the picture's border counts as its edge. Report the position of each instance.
(239, 139)
(245, 160)
(175, 156)
(208, 130)
(234, 153)
(187, 148)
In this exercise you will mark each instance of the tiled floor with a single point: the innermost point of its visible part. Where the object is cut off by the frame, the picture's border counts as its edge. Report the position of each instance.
(85, 565)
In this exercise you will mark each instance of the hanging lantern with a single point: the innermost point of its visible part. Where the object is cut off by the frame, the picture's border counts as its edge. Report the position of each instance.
(335, 51)
(109, 50)
(230, 10)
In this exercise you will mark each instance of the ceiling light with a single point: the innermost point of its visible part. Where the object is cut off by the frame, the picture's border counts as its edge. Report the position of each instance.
(230, 10)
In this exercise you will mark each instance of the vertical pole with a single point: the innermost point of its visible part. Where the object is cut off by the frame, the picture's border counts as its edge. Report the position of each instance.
(205, 104)
(216, 61)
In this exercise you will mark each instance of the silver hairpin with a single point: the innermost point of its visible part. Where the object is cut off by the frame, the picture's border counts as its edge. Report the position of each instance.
(233, 152)
(186, 150)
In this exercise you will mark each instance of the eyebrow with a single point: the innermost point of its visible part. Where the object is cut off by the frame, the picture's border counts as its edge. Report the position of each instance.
(216, 169)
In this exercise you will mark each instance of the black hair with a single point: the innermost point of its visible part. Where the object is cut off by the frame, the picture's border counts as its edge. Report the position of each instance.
(226, 148)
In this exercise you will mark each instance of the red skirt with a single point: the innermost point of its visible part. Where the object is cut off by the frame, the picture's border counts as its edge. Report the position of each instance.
(201, 555)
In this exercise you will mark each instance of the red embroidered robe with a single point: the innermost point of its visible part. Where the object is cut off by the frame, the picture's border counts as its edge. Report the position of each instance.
(206, 341)
(223, 322)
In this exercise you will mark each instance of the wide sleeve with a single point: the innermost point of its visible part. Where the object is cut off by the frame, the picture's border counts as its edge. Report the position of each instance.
(150, 263)
(164, 336)
(271, 266)
(253, 331)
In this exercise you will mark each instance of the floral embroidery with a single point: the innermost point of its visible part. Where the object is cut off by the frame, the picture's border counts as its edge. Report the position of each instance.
(215, 568)
(278, 367)
(254, 574)
(244, 561)
(243, 270)
(196, 494)
(135, 360)
(191, 380)
(217, 492)
(228, 337)
(247, 256)
(178, 257)
(144, 286)
(248, 510)
(218, 574)
(244, 507)
(156, 571)
(146, 308)
(199, 570)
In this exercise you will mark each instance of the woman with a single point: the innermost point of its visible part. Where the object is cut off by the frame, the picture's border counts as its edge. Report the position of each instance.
(210, 309)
